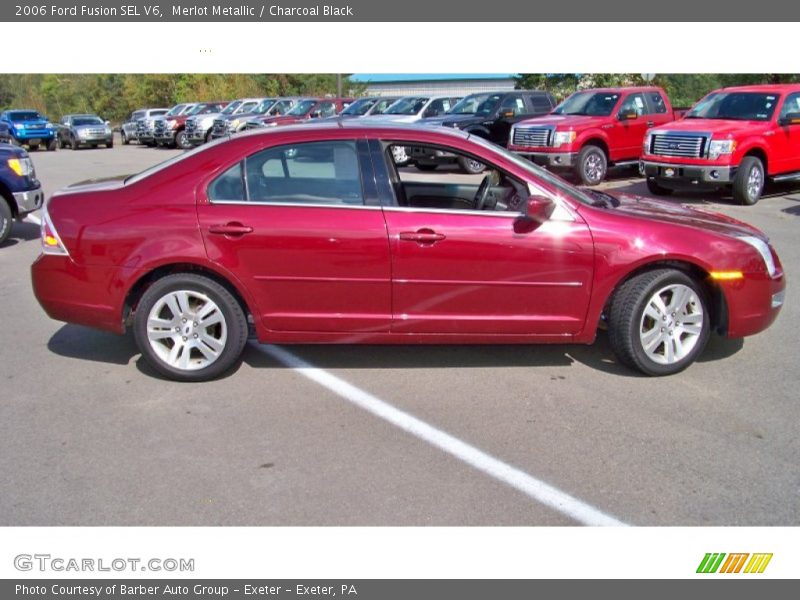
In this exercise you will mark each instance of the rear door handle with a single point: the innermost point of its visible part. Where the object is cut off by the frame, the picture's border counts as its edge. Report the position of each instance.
(422, 236)
(230, 229)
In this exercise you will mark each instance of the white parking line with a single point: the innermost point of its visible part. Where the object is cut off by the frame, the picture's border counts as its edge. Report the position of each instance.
(534, 488)
(33, 219)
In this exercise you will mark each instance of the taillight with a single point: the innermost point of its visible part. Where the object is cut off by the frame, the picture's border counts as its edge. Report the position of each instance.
(51, 243)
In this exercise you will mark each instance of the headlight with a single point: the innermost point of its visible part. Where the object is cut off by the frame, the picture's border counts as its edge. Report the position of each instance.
(82, 132)
(763, 250)
(563, 137)
(273, 124)
(719, 147)
(21, 166)
(49, 125)
(234, 124)
(172, 123)
(19, 125)
(108, 129)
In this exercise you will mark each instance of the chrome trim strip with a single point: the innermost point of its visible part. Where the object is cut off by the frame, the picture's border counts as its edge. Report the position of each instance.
(295, 204)
(491, 283)
(445, 211)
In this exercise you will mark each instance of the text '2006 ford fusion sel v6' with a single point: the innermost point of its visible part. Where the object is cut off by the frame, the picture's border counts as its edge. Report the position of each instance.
(310, 234)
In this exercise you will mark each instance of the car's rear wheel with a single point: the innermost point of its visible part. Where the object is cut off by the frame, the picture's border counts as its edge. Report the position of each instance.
(659, 322)
(470, 165)
(655, 188)
(748, 184)
(189, 327)
(592, 165)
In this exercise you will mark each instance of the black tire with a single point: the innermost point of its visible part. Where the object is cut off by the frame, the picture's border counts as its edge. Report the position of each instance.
(61, 143)
(626, 318)
(743, 192)
(6, 220)
(427, 166)
(657, 189)
(52, 145)
(470, 166)
(231, 310)
(182, 140)
(592, 165)
(124, 137)
(74, 143)
(110, 144)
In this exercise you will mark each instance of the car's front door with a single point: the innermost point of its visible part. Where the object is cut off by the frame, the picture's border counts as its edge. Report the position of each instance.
(298, 225)
(787, 138)
(457, 270)
(631, 132)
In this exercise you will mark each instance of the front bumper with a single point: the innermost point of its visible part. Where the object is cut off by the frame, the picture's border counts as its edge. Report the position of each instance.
(96, 139)
(555, 160)
(25, 137)
(29, 201)
(695, 174)
(753, 303)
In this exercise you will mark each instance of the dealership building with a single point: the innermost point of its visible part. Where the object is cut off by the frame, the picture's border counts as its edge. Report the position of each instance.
(457, 84)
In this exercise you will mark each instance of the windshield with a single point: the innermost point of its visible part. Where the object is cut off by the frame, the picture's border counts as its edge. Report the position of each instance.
(488, 106)
(157, 113)
(264, 106)
(468, 105)
(25, 116)
(197, 109)
(176, 110)
(87, 121)
(231, 107)
(594, 104)
(245, 107)
(381, 105)
(739, 106)
(537, 171)
(407, 106)
(302, 108)
(359, 107)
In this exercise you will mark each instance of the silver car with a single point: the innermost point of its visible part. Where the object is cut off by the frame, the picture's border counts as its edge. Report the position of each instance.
(129, 129)
(84, 130)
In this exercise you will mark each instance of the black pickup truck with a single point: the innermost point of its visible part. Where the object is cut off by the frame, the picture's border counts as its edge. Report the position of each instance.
(489, 115)
(20, 191)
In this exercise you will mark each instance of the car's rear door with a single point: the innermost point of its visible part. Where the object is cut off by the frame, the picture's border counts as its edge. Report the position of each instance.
(300, 225)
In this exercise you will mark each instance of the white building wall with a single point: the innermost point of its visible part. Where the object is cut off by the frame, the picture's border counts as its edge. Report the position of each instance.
(452, 87)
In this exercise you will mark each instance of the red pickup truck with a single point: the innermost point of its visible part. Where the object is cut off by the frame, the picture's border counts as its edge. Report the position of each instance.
(734, 137)
(593, 129)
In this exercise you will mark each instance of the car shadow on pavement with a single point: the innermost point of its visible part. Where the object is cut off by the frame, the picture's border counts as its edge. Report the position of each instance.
(21, 232)
(75, 341)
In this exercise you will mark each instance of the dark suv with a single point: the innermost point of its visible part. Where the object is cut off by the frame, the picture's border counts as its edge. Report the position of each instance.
(489, 115)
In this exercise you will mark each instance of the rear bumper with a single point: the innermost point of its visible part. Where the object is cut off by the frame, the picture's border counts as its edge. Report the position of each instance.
(687, 173)
(753, 303)
(87, 296)
(29, 201)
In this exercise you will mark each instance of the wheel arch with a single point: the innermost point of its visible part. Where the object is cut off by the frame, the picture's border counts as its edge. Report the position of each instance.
(145, 280)
(760, 153)
(717, 303)
(596, 139)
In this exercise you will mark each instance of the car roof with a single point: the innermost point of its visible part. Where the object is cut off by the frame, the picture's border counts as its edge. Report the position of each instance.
(767, 88)
(357, 127)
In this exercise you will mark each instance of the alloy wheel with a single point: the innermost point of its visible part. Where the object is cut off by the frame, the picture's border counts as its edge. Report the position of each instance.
(671, 324)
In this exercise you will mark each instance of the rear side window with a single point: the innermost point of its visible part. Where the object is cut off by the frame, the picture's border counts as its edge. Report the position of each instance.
(657, 104)
(513, 104)
(309, 173)
(540, 103)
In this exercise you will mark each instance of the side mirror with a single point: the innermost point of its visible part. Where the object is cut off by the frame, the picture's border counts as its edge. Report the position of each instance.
(628, 116)
(316, 114)
(537, 210)
(507, 114)
(792, 118)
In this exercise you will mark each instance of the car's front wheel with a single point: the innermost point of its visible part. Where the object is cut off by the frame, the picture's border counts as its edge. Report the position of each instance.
(182, 140)
(659, 322)
(189, 327)
(748, 184)
(591, 166)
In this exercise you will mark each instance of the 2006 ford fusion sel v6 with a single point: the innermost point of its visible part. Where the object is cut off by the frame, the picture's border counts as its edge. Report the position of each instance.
(311, 234)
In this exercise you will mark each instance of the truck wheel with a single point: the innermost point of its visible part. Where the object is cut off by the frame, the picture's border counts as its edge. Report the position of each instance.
(52, 145)
(658, 322)
(74, 144)
(592, 165)
(749, 181)
(427, 166)
(657, 189)
(6, 220)
(182, 140)
(189, 327)
(470, 166)
(110, 144)
(61, 143)
(124, 136)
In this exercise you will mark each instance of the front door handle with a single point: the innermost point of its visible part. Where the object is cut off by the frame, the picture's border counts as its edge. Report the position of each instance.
(421, 236)
(651, 123)
(230, 229)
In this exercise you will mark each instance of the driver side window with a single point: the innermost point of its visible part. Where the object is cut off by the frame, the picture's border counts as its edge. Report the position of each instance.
(633, 103)
(444, 179)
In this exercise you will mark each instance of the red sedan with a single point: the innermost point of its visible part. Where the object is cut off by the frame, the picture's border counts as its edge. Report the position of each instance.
(310, 234)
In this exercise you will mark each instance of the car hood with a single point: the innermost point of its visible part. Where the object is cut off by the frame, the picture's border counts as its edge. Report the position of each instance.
(565, 121)
(90, 126)
(681, 214)
(719, 127)
(212, 116)
(393, 118)
(37, 124)
(281, 120)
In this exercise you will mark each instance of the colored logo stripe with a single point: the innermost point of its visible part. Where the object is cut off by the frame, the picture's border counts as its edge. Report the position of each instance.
(733, 564)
